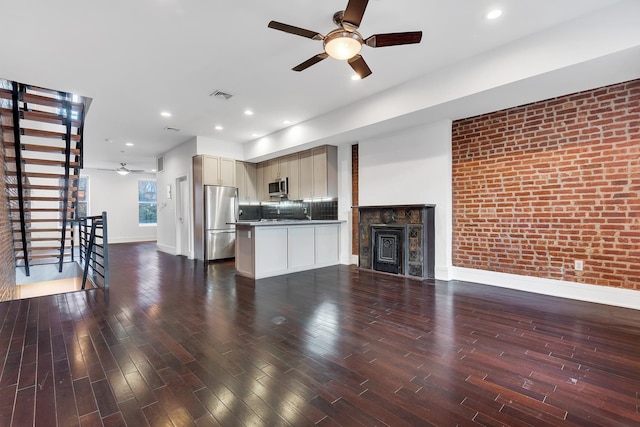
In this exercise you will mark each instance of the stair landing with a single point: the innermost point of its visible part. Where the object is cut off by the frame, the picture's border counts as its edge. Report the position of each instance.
(45, 280)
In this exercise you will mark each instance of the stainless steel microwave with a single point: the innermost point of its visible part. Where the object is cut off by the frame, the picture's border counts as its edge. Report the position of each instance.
(279, 188)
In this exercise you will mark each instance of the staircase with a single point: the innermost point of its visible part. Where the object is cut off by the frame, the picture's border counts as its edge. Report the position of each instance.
(41, 132)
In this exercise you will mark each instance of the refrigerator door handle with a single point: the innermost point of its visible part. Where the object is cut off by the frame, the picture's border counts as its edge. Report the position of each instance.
(237, 209)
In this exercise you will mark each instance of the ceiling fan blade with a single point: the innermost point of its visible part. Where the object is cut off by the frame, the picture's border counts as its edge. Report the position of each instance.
(295, 30)
(394, 39)
(311, 61)
(360, 66)
(353, 14)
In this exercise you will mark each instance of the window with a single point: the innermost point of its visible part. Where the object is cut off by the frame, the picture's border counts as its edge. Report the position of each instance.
(147, 202)
(82, 209)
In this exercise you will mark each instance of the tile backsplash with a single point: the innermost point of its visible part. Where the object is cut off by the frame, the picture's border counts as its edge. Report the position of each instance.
(290, 209)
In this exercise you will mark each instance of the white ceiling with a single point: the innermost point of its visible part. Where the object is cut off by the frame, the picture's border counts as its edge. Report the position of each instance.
(138, 58)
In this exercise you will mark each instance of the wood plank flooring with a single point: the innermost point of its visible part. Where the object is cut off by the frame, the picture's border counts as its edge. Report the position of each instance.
(180, 343)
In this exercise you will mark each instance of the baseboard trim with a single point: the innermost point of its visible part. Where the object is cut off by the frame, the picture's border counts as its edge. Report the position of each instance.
(171, 250)
(618, 297)
(442, 272)
(131, 239)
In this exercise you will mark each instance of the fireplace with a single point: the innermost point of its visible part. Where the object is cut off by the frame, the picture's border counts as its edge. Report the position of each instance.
(388, 249)
(397, 239)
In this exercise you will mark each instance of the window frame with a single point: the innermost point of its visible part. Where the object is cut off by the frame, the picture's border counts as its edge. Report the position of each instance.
(145, 202)
(86, 199)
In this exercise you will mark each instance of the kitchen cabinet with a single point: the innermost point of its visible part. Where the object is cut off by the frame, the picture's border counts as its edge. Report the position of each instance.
(275, 248)
(262, 178)
(318, 173)
(312, 174)
(227, 171)
(246, 180)
(273, 170)
(290, 168)
(218, 171)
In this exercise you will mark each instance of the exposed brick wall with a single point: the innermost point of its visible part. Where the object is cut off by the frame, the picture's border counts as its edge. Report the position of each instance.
(7, 262)
(355, 243)
(539, 186)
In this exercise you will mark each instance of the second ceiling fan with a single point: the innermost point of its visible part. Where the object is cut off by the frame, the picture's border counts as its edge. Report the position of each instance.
(345, 42)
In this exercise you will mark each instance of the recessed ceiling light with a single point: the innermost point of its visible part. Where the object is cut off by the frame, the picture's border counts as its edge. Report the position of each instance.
(495, 13)
(218, 127)
(286, 122)
(153, 170)
(129, 144)
(248, 113)
(165, 114)
(355, 77)
(255, 135)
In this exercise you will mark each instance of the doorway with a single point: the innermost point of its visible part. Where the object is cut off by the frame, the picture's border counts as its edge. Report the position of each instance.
(182, 217)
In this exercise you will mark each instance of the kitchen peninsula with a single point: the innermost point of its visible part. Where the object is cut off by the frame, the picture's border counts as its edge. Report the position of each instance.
(276, 247)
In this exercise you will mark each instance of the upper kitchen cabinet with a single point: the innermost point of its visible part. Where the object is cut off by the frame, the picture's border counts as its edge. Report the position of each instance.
(272, 171)
(218, 171)
(275, 170)
(318, 172)
(312, 174)
(246, 178)
(290, 168)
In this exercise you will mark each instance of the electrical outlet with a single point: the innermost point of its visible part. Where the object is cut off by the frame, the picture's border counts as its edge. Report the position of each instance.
(578, 265)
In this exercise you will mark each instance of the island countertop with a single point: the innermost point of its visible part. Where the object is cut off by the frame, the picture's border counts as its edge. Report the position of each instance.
(287, 222)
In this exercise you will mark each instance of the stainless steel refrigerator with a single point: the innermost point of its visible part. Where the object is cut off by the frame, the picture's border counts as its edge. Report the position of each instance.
(220, 214)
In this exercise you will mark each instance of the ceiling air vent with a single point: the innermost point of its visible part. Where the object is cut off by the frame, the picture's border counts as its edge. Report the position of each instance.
(220, 94)
(172, 129)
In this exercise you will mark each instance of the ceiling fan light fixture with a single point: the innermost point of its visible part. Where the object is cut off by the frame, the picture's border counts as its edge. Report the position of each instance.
(122, 170)
(343, 45)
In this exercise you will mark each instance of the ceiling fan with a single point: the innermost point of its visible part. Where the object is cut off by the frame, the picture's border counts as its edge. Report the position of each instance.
(345, 42)
(123, 170)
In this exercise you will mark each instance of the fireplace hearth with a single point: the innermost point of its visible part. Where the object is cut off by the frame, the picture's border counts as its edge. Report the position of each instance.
(398, 239)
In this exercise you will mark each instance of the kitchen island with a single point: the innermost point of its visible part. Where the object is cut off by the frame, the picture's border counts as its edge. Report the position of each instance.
(272, 248)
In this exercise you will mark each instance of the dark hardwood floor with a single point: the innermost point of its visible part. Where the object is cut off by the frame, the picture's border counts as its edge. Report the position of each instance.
(179, 343)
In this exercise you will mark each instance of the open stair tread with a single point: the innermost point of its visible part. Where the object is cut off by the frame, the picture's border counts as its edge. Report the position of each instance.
(43, 256)
(42, 162)
(41, 187)
(41, 220)
(44, 239)
(41, 209)
(41, 116)
(42, 230)
(41, 199)
(41, 175)
(42, 133)
(31, 98)
(50, 249)
(43, 148)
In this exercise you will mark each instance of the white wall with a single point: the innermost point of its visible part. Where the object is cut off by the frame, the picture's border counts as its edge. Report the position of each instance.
(118, 196)
(412, 166)
(177, 163)
(216, 147)
(345, 203)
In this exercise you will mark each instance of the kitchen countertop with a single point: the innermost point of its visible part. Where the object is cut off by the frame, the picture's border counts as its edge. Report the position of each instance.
(287, 222)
